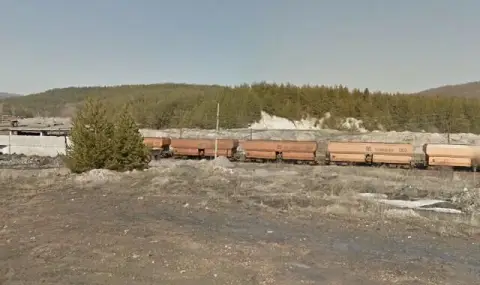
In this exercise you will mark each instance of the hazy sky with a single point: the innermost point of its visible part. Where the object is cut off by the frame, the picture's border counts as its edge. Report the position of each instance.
(383, 45)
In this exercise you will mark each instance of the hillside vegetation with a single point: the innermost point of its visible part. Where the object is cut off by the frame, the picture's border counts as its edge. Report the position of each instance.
(182, 105)
(470, 89)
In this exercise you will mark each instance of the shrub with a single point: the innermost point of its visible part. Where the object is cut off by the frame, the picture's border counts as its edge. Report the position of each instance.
(129, 151)
(98, 143)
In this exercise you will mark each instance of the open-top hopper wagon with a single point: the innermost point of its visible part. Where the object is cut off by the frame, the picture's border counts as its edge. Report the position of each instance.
(279, 150)
(203, 147)
(159, 146)
(370, 153)
(452, 155)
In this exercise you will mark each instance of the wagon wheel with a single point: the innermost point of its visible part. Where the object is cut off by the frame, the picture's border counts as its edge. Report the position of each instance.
(279, 157)
(241, 157)
(412, 164)
(148, 158)
(369, 159)
(326, 160)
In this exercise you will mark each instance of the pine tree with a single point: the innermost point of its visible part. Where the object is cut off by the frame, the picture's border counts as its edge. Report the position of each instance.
(91, 144)
(129, 151)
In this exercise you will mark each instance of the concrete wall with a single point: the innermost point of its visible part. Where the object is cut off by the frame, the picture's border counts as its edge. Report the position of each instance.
(33, 145)
(46, 145)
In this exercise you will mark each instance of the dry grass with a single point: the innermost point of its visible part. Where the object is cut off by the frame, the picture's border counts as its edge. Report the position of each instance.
(332, 190)
(329, 190)
(166, 220)
(305, 190)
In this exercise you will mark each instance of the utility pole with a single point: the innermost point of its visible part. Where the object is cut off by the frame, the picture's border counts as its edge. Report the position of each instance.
(216, 129)
(449, 128)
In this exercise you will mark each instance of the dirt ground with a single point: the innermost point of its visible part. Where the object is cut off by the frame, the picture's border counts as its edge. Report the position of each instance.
(214, 222)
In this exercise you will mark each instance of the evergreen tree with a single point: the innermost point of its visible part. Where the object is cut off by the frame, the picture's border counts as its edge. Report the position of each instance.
(129, 151)
(91, 144)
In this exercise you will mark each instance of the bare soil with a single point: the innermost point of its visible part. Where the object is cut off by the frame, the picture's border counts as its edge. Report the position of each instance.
(198, 222)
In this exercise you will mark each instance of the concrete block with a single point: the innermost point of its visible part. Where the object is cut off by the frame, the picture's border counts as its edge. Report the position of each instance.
(33, 145)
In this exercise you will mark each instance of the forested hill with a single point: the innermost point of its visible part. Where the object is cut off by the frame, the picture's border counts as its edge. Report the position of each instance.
(183, 105)
(470, 89)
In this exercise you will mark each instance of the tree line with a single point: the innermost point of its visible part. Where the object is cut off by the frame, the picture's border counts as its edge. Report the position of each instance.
(194, 106)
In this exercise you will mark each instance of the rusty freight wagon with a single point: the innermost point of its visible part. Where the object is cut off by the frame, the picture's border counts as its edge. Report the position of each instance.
(393, 154)
(347, 152)
(279, 150)
(159, 146)
(451, 155)
(203, 147)
(396, 154)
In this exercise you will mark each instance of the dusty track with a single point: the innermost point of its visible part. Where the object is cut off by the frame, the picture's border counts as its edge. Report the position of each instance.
(187, 222)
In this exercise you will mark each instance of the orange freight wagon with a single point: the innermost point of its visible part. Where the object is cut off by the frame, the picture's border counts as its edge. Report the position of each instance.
(159, 146)
(203, 147)
(347, 152)
(157, 143)
(392, 153)
(369, 153)
(279, 150)
(452, 155)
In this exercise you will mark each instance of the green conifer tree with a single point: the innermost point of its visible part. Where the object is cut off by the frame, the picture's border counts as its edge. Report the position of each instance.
(129, 150)
(91, 138)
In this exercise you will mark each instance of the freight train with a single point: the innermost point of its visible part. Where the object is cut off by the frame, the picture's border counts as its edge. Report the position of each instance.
(337, 152)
